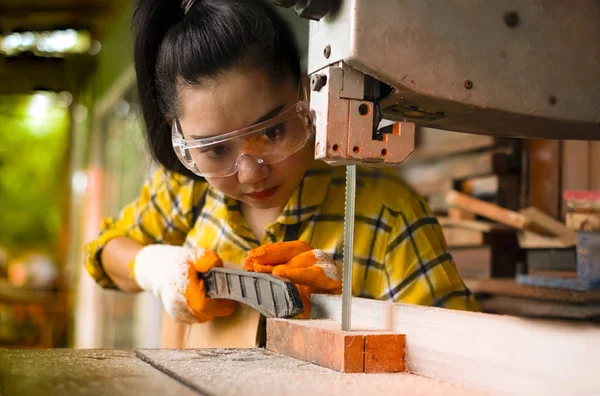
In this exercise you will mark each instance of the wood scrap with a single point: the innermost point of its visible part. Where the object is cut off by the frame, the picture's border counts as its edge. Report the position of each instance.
(508, 287)
(532, 240)
(434, 143)
(583, 221)
(535, 308)
(323, 342)
(459, 214)
(461, 237)
(440, 174)
(473, 263)
(474, 225)
(486, 185)
(544, 175)
(550, 225)
(497, 354)
(486, 209)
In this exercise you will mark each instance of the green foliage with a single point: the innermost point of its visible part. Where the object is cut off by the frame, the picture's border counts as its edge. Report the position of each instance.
(33, 149)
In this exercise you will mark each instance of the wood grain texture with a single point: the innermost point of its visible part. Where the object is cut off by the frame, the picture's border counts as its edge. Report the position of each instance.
(510, 288)
(258, 372)
(497, 354)
(545, 175)
(550, 225)
(74, 372)
(532, 240)
(323, 342)
(594, 165)
(536, 308)
(583, 221)
(486, 209)
(435, 143)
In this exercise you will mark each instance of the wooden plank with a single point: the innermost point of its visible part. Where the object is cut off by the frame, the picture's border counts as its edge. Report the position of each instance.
(583, 221)
(459, 214)
(535, 308)
(576, 165)
(435, 143)
(474, 225)
(326, 346)
(486, 185)
(497, 354)
(324, 343)
(256, 372)
(72, 372)
(531, 240)
(509, 288)
(594, 169)
(462, 237)
(439, 173)
(549, 224)
(545, 162)
(473, 263)
(486, 209)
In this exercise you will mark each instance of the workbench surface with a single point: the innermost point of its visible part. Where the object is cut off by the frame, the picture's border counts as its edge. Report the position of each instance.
(193, 372)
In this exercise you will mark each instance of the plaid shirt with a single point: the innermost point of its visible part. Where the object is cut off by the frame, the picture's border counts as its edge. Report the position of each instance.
(399, 250)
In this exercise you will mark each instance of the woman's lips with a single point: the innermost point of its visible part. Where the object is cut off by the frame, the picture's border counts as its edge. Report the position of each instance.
(264, 194)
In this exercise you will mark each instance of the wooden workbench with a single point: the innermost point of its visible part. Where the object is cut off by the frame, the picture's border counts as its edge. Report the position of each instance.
(193, 372)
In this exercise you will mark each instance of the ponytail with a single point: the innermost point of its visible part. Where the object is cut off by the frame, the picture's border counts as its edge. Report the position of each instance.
(152, 19)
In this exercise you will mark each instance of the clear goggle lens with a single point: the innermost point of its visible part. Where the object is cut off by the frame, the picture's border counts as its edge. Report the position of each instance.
(268, 142)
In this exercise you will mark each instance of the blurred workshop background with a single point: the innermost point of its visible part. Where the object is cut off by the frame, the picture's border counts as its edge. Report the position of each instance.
(71, 152)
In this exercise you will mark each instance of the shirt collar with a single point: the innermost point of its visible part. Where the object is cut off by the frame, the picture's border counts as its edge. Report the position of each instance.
(309, 195)
(302, 204)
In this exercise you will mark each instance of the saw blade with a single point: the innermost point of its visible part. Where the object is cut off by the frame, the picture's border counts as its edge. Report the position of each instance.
(348, 248)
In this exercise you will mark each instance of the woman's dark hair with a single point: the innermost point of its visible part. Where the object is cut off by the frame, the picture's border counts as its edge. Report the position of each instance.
(212, 37)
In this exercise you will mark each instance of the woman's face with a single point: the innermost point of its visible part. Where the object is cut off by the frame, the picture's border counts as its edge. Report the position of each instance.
(238, 99)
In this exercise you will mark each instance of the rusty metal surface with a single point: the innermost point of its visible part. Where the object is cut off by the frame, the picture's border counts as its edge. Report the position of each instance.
(70, 372)
(513, 68)
(344, 123)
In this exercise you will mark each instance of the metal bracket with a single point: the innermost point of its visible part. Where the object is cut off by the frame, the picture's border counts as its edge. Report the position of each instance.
(345, 126)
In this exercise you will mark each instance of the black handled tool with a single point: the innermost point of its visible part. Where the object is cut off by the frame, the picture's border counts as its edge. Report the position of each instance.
(271, 296)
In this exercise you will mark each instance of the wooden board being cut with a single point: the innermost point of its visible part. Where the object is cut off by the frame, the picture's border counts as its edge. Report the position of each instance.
(324, 343)
(497, 354)
(74, 372)
(258, 372)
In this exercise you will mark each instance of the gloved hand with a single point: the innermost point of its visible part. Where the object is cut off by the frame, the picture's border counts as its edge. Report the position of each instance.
(171, 273)
(312, 270)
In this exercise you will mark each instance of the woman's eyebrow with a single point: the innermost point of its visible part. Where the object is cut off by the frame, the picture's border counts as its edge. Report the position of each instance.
(270, 114)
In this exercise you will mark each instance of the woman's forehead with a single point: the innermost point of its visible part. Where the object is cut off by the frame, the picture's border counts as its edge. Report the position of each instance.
(234, 100)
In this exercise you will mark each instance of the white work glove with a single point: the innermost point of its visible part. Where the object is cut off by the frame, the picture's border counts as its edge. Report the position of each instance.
(171, 273)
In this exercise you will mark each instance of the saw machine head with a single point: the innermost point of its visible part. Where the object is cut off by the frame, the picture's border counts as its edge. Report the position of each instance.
(527, 69)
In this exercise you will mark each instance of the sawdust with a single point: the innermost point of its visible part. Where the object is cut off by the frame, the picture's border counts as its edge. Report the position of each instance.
(259, 372)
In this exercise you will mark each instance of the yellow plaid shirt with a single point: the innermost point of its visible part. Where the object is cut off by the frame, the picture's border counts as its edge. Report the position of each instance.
(399, 250)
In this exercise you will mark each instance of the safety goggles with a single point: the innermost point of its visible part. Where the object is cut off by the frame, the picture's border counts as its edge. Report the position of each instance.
(268, 142)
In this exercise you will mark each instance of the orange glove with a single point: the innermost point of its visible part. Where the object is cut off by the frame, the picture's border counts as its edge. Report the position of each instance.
(312, 270)
(172, 274)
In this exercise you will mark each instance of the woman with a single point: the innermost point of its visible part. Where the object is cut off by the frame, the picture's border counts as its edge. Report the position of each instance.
(227, 120)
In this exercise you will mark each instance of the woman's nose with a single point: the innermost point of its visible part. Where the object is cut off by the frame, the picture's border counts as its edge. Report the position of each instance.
(251, 170)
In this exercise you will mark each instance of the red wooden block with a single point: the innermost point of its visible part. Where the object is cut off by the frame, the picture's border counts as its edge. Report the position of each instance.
(384, 353)
(323, 342)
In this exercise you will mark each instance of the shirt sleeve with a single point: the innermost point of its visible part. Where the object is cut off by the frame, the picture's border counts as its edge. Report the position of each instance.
(419, 268)
(160, 215)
